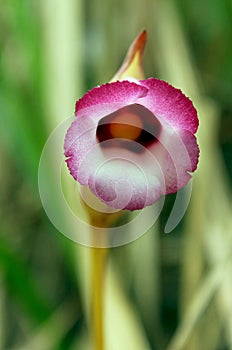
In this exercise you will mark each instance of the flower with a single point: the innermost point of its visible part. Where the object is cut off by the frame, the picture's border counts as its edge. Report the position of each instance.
(133, 139)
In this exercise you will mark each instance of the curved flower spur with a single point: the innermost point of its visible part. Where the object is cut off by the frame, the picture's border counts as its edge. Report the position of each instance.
(133, 138)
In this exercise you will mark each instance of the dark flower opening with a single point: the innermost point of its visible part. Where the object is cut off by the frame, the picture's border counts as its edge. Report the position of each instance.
(133, 127)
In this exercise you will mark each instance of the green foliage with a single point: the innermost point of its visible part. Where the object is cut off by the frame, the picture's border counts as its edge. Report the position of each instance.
(21, 285)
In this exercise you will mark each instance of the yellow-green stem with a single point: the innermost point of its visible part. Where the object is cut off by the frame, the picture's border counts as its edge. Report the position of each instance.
(99, 256)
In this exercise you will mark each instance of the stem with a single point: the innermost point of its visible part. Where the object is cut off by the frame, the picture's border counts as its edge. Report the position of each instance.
(98, 277)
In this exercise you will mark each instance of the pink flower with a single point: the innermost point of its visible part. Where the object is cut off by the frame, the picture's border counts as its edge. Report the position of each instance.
(133, 141)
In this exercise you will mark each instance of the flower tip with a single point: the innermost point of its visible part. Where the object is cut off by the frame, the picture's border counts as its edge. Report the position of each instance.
(132, 64)
(140, 41)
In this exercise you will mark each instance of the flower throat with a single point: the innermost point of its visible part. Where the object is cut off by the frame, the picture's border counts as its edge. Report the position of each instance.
(133, 127)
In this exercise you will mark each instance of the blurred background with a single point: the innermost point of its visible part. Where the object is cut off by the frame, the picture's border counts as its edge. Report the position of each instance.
(168, 291)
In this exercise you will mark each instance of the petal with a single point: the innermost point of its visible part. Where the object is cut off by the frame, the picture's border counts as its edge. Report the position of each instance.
(109, 97)
(177, 153)
(94, 105)
(120, 178)
(123, 184)
(170, 104)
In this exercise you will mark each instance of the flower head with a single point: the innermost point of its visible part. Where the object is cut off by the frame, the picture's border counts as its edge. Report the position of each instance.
(133, 139)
